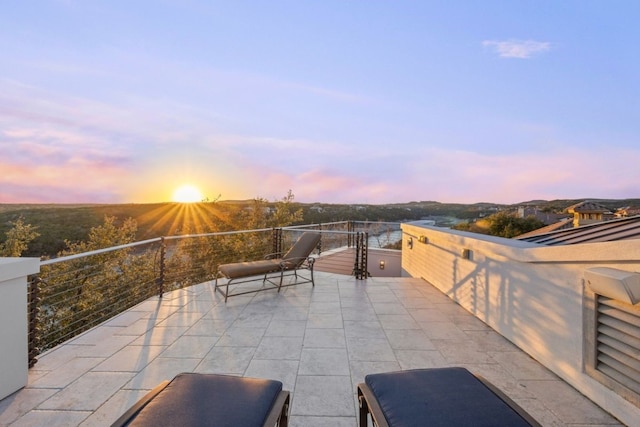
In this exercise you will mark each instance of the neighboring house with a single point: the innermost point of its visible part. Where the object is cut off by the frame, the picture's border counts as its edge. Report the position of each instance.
(588, 212)
(627, 211)
(580, 214)
(548, 218)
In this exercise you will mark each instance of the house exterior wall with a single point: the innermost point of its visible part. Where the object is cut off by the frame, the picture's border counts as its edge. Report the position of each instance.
(530, 294)
(586, 218)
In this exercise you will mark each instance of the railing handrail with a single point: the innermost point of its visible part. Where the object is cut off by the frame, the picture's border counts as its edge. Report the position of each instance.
(321, 231)
(217, 233)
(379, 222)
(144, 242)
(98, 251)
(305, 227)
(187, 236)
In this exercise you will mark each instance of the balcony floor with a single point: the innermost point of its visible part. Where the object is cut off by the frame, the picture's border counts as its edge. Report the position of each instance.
(320, 342)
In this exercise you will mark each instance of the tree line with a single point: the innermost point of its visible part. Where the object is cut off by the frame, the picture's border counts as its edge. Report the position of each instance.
(47, 229)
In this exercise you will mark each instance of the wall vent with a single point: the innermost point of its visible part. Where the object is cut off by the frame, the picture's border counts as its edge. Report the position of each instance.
(618, 342)
(613, 347)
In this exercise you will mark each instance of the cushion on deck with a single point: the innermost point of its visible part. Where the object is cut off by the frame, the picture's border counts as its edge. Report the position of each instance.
(439, 397)
(305, 244)
(210, 399)
(250, 268)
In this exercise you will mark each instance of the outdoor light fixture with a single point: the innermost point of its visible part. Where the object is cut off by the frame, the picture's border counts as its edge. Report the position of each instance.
(382, 265)
(423, 239)
(410, 242)
(467, 254)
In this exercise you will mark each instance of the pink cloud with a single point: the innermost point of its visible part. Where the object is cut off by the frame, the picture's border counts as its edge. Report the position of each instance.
(18, 193)
(510, 178)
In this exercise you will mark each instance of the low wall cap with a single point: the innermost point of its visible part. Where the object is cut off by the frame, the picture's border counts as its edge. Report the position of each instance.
(613, 283)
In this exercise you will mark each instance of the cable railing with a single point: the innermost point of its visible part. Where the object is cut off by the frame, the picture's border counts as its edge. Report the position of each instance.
(384, 235)
(74, 293)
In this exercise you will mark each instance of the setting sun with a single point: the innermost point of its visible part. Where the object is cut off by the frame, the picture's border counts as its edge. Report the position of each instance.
(187, 194)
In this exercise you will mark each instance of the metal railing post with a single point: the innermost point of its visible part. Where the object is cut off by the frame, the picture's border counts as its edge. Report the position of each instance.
(365, 255)
(356, 265)
(276, 240)
(34, 309)
(362, 256)
(163, 255)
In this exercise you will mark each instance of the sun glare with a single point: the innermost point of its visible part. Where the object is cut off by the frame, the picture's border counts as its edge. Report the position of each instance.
(187, 194)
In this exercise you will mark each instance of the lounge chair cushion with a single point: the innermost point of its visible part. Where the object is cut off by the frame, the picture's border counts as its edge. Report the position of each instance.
(210, 399)
(305, 244)
(439, 397)
(249, 268)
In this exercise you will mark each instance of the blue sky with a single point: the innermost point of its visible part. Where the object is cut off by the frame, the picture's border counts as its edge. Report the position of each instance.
(339, 101)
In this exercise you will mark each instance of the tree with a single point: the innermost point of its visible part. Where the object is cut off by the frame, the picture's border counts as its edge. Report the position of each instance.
(286, 212)
(502, 224)
(261, 214)
(508, 225)
(104, 236)
(18, 238)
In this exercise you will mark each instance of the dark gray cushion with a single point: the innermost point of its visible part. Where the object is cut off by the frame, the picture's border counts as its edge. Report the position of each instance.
(250, 268)
(303, 247)
(439, 397)
(210, 400)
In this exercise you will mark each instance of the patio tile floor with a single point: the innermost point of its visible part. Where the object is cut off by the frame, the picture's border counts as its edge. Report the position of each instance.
(319, 341)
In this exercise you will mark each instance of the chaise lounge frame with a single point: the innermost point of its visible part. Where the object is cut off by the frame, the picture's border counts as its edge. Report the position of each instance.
(273, 268)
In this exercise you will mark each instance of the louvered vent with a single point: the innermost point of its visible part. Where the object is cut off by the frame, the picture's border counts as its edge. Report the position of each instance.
(618, 342)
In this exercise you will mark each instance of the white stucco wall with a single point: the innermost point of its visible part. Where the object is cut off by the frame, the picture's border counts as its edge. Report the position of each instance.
(13, 322)
(531, 294)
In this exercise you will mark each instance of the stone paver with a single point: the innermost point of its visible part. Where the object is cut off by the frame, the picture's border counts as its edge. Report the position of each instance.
(319, 341)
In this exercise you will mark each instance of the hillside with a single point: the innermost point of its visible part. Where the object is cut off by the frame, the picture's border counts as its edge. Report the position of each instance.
(57, 223)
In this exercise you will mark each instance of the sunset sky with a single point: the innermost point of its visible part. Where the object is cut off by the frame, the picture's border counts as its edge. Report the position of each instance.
(349, 101)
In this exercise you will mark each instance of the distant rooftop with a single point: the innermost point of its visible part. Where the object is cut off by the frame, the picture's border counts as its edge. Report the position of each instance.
(613, 230)
(588, 206)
